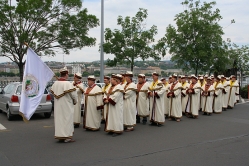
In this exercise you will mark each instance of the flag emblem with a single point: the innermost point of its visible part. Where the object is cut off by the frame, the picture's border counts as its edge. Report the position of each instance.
(31, 88)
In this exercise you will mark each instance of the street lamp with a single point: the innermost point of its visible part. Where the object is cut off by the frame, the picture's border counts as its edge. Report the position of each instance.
(101, 43)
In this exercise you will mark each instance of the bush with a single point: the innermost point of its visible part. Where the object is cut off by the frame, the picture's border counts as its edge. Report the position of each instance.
(244, 92)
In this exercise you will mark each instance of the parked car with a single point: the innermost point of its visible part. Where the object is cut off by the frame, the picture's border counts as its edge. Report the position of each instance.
(100, 84)
(10, 98)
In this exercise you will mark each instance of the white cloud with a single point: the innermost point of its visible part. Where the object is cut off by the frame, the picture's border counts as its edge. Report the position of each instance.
(160, 13)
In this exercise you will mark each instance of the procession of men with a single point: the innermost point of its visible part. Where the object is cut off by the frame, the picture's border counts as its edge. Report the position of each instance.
(121, 103)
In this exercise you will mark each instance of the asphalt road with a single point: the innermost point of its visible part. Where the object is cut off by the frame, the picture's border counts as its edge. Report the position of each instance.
(220, 139)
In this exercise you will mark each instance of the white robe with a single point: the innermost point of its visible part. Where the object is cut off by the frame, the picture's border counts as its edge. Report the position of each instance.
(234, 89)
(225, 93)
(167, 100)
(207, 102)
(175, 100)
(184, 96)
(64, 99)
(130, 110)
(77, 107)
(105, 90)
(201, 99)
(114, 115)
(157, 102)
(143, 109)
(194, 100)
(218, 102)
(93, 105)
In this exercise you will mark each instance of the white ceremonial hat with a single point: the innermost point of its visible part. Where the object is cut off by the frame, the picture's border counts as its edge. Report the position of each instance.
(209, 78)
(174, 75)
(193, 76)
(222, 76)
(206, 76)
(129, 73)
(201, 78)
(183, 76)
(91, 77)
(219, 77)
(155, 73)
(119, 75)
(64, 69)
(141, 75)
(106, 77)
(78, 75)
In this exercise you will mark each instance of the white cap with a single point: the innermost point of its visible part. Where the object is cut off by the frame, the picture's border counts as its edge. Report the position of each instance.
(64, 69)
(78, 74)
(141, 75)
(91, 77)
(129, 73)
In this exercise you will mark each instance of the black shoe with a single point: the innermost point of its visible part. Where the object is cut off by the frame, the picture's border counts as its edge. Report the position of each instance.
(114, 134)
(76, 126)
(153, 124)
(159, 125)
(138, 121)
(103, 121)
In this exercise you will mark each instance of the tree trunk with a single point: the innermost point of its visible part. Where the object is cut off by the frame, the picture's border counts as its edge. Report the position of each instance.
(132, 64)
(196, 68)
(21, 65)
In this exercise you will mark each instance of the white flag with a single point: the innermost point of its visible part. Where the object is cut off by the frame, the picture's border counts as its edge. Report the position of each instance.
(35, 78)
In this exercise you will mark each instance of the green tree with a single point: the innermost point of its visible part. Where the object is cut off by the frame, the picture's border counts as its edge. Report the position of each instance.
(132, 41)
(85, 74)
(46, 25)
(96, 73)
(239, 58)
(197, 39)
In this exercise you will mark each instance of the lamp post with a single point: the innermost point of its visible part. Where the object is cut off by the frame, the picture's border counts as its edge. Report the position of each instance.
(101, 43)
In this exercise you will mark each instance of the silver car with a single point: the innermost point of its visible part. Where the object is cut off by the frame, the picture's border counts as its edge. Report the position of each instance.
(10, 98)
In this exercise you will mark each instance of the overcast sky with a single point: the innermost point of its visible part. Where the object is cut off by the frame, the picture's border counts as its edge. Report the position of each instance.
(160, 13)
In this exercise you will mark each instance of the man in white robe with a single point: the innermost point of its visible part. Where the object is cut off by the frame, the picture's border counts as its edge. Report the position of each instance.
(175, 99)
(130, 110)
(233, 91)
(166, 99)
(65, 98)
(93, 102)
(143, 109)
(114, 101)
(184, 96)
(156, 92)
(202, 83)
(193, 91)
(105, 89)
(123, 81)
(218, 102)
(207, 95)
(78, 85)
(225, 92)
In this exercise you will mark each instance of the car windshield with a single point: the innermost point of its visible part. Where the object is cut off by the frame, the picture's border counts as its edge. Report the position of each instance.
(19, 90)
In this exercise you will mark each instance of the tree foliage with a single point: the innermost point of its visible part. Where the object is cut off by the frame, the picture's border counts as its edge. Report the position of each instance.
(196, 41)
(45, 25)
(132, 41)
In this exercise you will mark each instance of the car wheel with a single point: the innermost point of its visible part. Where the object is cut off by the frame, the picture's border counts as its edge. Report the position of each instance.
(47, 114)
(9, 115)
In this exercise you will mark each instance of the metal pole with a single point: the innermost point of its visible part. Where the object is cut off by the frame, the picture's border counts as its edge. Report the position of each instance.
(101, 44)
